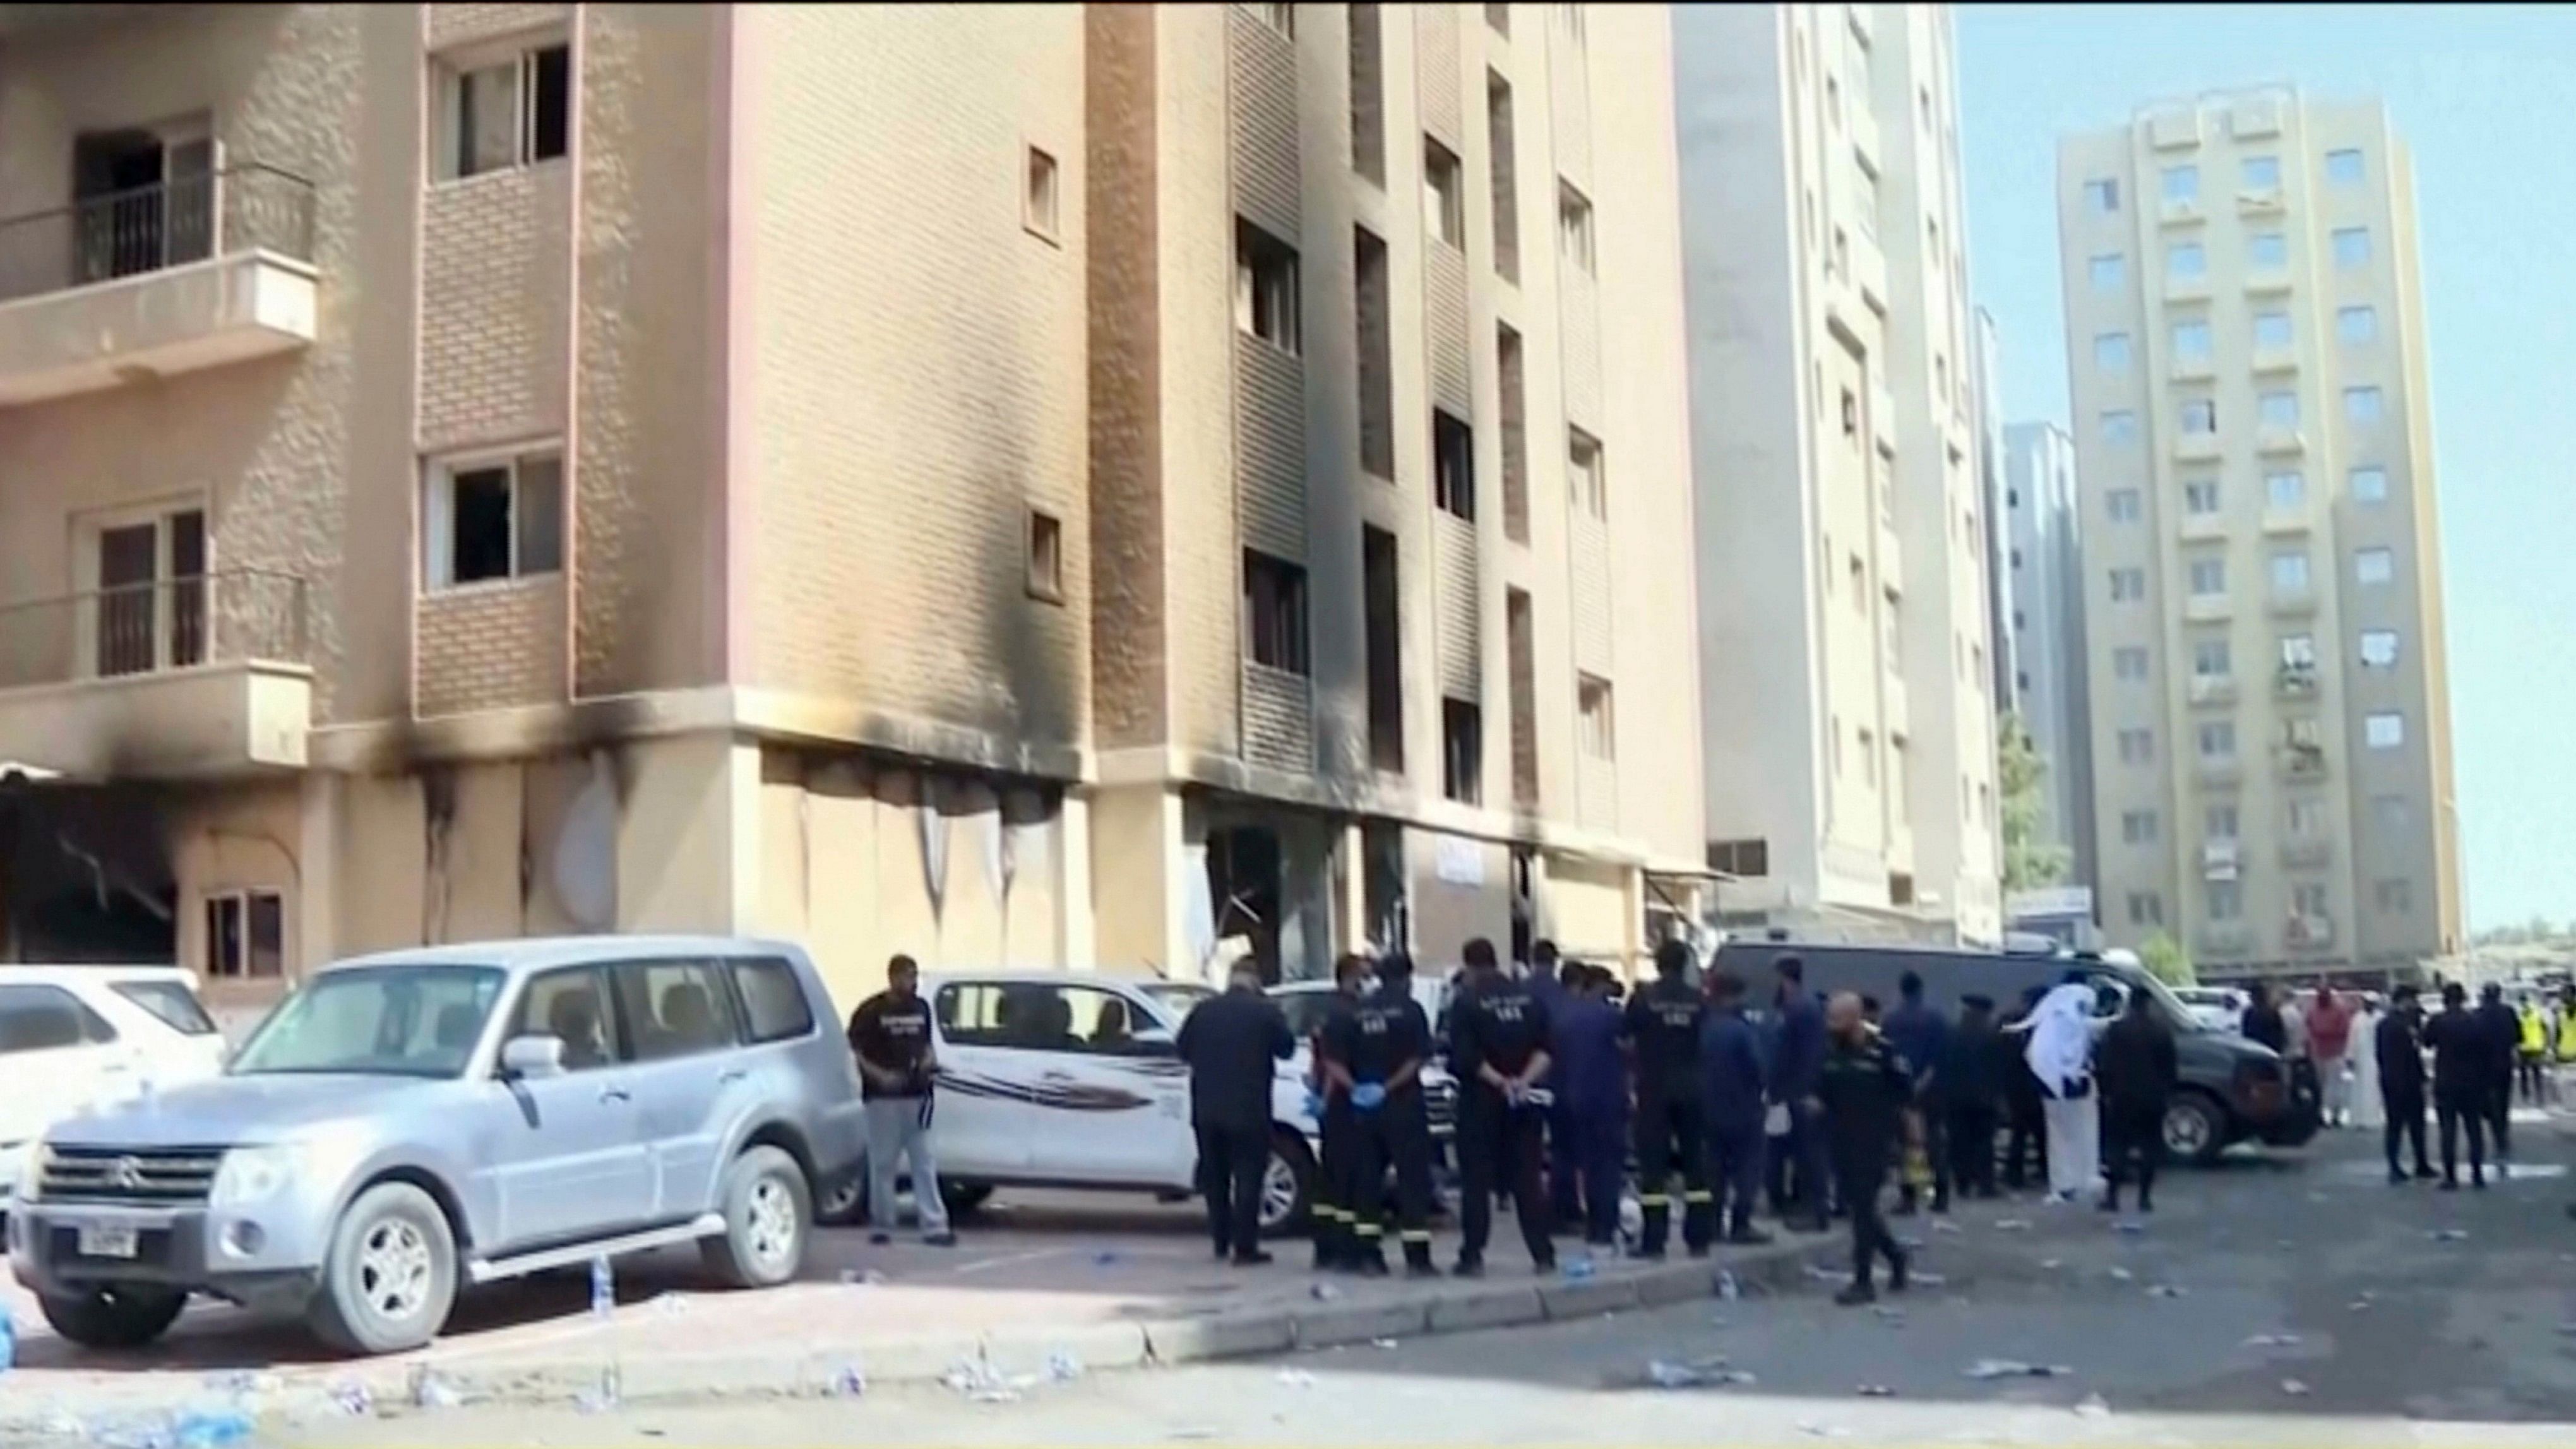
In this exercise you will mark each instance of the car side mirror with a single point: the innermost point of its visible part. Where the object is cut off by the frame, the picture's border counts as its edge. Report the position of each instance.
(532, 1058)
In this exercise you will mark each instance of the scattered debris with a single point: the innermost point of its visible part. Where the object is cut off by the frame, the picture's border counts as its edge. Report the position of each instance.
(1909, 1244)
(2052, 1264)
(849, 1381)
(219, 1429)
(2273, 1340)
(1814, 1430)
(1323, 1292)
(1889, 1312)
(1062, 1367)
(1707, 1373)
(2012, 1225)
(353, 1400)
(1296, 1378)
(1727, 1287)
(1578, 1269)
(430, 1389)
(669, 1304)
(1875, 1391)
(2123, 1275)
(2449, 1235)
(1944, 1225)
(1104, 1259)
(2294, 1388)
(2358, 1305)
(602, 1398)
(2013, 1368)
(2092, 1406)
(1383, 1343)
(871, 1277)
(2128, 1225)
(2166, 1290)
(1823, 1274)
(1930, 1280)
(1191, 1433)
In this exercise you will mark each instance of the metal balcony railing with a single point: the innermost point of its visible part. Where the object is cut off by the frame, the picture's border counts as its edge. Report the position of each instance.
(242, 208)
(181, 623)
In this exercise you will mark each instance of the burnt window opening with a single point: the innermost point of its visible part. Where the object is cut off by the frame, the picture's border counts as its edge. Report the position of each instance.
(1453, 464)
(1383, 604)
(1274, 613)
(1462, 752)
(494, 520)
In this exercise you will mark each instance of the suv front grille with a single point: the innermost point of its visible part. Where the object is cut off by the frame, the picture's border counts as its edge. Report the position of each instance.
(153, 1177)
(1440, 1105)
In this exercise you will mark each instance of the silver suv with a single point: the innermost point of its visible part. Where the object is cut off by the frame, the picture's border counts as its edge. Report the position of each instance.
(408, 1123)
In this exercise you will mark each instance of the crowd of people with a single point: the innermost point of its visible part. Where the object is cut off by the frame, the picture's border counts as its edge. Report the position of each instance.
(2463, 1062)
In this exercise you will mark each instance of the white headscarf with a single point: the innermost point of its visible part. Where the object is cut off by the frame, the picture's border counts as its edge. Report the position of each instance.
(2061, 1037)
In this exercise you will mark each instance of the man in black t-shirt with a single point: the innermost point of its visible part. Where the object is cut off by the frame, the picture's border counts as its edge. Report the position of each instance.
(1498, 1038)
(890, 1036)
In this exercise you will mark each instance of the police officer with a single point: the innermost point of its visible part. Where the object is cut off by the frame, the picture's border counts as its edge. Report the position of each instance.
(1498, 1035)
(1375, 1054)
(1862, 1092)
(1662, 1028)
(1334, 1191)
(1730, 1057)
(1588, 1128)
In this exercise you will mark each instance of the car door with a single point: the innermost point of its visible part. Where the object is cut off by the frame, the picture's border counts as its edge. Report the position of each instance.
(692, 1081)
(985, 1115)
(571, 1162)
(57, 1056)
(1110, 1097)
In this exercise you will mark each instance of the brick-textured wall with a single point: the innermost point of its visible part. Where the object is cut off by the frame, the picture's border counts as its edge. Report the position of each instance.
(918, 381)
(1261, 113)
(1278, 718)
(1445, 319)
(496, 271)
(491, 647)
(1436, 70)
(1270, 446)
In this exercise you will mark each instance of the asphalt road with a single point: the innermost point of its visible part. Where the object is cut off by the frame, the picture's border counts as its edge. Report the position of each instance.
(2270, 1300)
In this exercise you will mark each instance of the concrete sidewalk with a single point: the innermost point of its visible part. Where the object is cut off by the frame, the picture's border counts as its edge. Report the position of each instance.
(1040, 1280)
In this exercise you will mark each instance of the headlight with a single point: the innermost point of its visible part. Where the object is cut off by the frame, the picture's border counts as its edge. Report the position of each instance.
(255, 1174)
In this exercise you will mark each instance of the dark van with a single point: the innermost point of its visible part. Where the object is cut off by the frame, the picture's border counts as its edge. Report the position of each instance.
(2232, 1090)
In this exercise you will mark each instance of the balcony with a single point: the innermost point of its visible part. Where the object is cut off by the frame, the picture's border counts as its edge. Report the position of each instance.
(173, 278)
(2307, 852)
(2178, 212)
(2266, 202)
(2269, 360)
(183, 678)
(2309, 933)
(2196, 448)
(2208, 608)
(2303, 762)
(2276, 438)
(2202, 527)
(2213, 689)
(2220, 772)
(2295, 681)
(2197, 368)
(2287, 520)
(2218, 860)
(2294, 602)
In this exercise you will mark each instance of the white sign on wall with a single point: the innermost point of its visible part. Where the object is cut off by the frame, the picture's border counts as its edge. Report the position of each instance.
(1460, 862)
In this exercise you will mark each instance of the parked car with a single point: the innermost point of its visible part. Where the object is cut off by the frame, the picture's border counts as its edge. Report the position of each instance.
(74, 1038)
(406, 1124)
(2232, 1090)
(2220, 1008)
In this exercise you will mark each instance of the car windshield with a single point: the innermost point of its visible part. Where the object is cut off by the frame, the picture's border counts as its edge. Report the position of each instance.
(1177, 997)
(400, 1021)
(2177, 1015)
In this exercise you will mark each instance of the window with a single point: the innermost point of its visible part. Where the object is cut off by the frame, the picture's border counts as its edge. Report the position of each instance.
(2361, 405)
(1462, 751)
(2393, 897)
(246, 935)
(1503, 174)
(1500, 18)
(2267, 251)
(2218, 739)
(2384, 731)
(2137, 746)
(1443, 198)
(2123, 505)
(2308, 900)
(1377, 358)
(2271, 329)
(2111, 352)
(2119, 428)
(1740, 858)
(572, 1007)
(2129, 662)
(1453, 466)
(2208, 577)
(2356, 326)
(674, 1008)
(2286, 491)
(1381, 605)
(2298, 651)
(1046, 557)
(494, 519)
(1282, 18)
(2307, 818)
(2218, 822)
(2128, 585)
(774, 1007)
(2343, 167)
(1035, 1017)
(1274, 612)
(1851, 416)
(2191, 340)
(2368, 485)
(170, 1003)
(2289, 574)
(2259, 173)
(1592, 700)
(1039, 208)
(2199, 415)
(511, 111)
(47, 1018)
(2110, 272)
(2351, 247)
(2138, 827)
(1512, 389)
(2212, 659)
(2226, 900)
(1574, 228)
(2102, 195)
(2186, 262)
(2146, 908)
(1265, 286)
(2378, 648)
(2374, 566)
(2200, 497)
(1588, 489)
(1368, 94)
(2279, 409)
(2182, 183)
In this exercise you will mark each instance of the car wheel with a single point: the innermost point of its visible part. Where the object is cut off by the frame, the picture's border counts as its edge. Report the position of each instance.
(844, 1204)
(964, 1199)
(766, 1209)
(1287, 1185)
(390, 1278)
(113, 1317)
(2195, 1129)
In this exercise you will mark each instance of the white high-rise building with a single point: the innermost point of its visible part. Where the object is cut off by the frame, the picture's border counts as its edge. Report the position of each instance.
(1844, 607)
(2042, 590)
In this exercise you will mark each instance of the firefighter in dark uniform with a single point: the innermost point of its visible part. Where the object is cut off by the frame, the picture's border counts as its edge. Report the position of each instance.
(1375, 1053)
(1662, 1028)
(1334, 1193)
(1498, 1033)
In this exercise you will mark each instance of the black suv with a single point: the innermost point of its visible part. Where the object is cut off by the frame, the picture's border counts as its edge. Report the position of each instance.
(2231, 1090)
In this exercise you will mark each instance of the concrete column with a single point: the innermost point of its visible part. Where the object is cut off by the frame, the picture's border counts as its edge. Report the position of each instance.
(1138, 893)
(317, 850)
(688, 835)
(1077, 919)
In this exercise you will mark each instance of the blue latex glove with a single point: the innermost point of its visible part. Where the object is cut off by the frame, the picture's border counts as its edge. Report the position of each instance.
(1369, 1096)
(1314, 1103)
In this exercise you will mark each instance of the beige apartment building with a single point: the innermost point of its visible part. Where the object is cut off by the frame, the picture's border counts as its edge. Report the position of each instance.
(998, 483)
(1844, 625)
(2270, 704)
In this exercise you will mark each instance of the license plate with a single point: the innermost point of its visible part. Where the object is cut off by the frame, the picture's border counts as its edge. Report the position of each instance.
(106, 1241)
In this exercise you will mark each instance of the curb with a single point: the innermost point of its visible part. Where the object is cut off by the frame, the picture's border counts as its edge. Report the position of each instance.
(809, 1371)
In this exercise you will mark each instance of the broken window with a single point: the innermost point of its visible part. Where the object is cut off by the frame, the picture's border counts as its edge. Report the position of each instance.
(511, 110)
(494, 519)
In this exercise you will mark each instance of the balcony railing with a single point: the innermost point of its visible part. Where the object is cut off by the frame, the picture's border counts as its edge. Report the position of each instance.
(243, 208)
(221, 618)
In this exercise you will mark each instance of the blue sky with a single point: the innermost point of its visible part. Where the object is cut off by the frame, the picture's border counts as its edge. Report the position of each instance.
(2479, 93)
